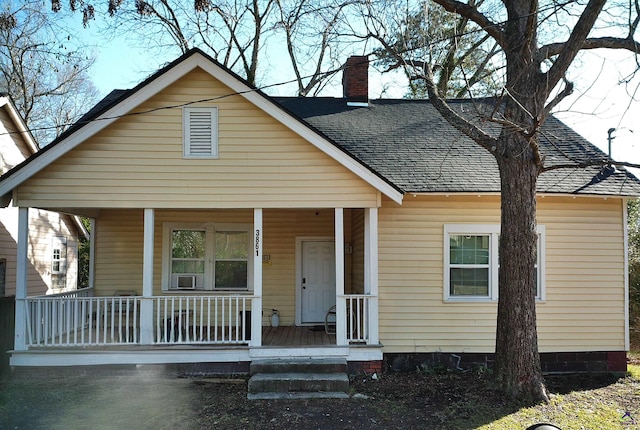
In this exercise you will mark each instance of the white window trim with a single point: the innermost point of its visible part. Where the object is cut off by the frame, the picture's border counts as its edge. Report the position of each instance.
(186, 127)
(209, 273)
(493, 230)
(59, 242)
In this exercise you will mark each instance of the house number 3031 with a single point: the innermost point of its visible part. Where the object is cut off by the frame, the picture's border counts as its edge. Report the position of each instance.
(257, 243)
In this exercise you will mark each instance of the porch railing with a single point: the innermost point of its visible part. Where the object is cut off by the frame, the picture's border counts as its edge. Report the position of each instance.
(357, 317)
(68, 319)
(82, 320)
(202, 319)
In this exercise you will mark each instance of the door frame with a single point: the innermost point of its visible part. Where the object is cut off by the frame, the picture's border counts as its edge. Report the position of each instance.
(299, 241)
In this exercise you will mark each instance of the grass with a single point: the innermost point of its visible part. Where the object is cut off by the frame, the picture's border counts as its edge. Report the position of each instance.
(615, 406)
(634, 371)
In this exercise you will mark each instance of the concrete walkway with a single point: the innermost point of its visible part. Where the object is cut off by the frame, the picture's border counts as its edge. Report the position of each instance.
(98, 398)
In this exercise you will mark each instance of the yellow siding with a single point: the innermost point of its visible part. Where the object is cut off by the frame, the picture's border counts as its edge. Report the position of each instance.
(137, 162)
(119, 249)
(584, 307)
(118, 260)
(583, 311)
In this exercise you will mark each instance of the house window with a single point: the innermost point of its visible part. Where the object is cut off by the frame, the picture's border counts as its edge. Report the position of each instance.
(207, 257)
(232, 259)
(472, 263)
(200, 132)
(187, 258)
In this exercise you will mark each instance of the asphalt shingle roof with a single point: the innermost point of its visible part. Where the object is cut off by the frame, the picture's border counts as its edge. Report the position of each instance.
(409, 143)
(412, 147)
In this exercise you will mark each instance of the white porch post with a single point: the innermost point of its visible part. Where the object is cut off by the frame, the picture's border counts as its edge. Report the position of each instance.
(341, 304)
(371, 271)
(256, 304)
(92, 253)
(146, 303)
(20, 340)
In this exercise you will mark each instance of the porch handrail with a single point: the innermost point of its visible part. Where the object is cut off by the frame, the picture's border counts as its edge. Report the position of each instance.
(81, 292)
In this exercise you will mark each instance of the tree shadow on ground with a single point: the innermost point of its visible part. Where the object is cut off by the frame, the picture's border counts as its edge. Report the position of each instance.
(564, 384)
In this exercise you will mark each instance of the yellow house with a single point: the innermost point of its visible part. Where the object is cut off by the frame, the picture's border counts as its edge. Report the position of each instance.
(229, 226)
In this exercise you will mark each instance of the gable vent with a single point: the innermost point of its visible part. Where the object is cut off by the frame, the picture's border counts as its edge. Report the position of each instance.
(200, 138)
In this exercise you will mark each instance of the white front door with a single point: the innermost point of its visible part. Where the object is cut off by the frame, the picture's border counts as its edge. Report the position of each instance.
(318, 291)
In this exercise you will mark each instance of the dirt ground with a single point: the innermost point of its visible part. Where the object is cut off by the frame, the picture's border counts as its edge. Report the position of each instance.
(150, 399)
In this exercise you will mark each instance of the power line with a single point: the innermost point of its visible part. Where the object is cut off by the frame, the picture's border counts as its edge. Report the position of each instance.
(66, 126)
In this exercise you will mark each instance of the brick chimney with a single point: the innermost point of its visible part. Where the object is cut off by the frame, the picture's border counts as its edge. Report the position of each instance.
(355, 80)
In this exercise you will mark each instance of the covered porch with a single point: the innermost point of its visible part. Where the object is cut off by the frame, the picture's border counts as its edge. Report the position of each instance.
(153, 323)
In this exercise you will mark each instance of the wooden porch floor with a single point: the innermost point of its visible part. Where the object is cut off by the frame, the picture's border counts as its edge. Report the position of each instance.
(297, 336)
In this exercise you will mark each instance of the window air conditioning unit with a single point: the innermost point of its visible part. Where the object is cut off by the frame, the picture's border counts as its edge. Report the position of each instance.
(186, 282)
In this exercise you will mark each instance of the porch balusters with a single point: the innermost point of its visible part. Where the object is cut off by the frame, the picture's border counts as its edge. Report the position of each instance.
(53, 321)
(64, 321)
(201, 319)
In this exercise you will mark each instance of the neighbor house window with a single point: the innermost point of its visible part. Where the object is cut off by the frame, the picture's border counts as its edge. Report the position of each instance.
(207, 257)
(59, 263)
(200, 132)
(471, 262)
(59, 255)
(3, 277)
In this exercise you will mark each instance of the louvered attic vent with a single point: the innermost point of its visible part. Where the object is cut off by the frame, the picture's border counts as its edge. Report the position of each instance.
(200, 132)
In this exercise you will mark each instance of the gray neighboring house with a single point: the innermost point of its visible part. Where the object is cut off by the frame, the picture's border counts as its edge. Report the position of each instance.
(53, 237)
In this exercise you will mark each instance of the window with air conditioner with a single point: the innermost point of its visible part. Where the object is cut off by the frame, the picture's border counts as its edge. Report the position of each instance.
(207, 257)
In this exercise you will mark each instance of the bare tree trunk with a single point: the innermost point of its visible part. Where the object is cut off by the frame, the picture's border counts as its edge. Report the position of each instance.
(518, 370)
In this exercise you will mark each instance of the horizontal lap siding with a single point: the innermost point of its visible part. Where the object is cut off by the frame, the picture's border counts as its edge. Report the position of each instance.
(137, 162)
(119, 244)
(119, 249)
(584, 308)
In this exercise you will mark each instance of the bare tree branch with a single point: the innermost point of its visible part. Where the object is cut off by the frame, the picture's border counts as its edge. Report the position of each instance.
(471, 12)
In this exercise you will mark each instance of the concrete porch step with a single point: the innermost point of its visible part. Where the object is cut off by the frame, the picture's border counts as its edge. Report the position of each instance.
(320, 365)
(298, 382)
(298, 379)
(297, 396)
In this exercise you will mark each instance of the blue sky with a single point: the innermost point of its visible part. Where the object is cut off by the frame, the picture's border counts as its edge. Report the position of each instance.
(606, 104)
